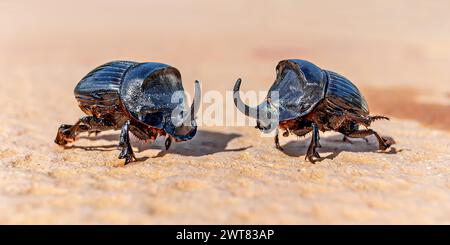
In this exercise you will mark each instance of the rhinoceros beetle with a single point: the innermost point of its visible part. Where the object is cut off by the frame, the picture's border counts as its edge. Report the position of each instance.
(312, 99)
(146, 99)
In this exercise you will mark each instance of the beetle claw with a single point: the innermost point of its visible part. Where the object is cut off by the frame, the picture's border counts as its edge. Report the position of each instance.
(316, 154)
(277, 143)
(311, 153)
(168, 142)
(387, 142)
(64, 135)
(309, 158)
(128, 155)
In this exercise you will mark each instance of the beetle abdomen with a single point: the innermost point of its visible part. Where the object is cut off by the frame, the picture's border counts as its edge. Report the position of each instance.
(98, 92)
(343, 95)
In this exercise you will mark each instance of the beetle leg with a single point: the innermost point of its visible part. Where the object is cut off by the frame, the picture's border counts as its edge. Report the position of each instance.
(383, 142)
(96, 124)
(67, 133)
(378, 117)
(63, 134)
(277, 142)
(316, 134)
(345, 139)
(312, 152)
(168, 142)
(337, 121)
(365, 121)
(127, 151)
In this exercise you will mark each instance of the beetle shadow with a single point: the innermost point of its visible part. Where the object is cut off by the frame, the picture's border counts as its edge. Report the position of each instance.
(335, 144)
(102, 136)
(111, 147)
(204, 143)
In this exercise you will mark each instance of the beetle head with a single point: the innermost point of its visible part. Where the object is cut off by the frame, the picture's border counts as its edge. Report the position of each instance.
(177, 121)
(182, 125)
(299, 84)
(289, 77)
(153, 94)
(267, 114)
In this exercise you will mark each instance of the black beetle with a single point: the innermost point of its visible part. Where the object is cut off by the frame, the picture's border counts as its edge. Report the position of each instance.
(144, 98)
(312, 99)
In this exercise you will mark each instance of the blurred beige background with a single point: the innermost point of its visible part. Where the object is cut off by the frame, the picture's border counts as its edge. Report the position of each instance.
(397, 52)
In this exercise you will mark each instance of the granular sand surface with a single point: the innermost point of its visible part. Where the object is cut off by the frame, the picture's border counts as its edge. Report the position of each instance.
(397, 52)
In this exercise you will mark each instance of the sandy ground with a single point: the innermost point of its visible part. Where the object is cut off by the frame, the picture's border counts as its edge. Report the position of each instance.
(398, 52)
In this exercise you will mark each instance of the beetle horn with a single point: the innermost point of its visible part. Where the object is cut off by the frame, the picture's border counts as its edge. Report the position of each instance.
(247, 110)
(196, 101)
(193, 110)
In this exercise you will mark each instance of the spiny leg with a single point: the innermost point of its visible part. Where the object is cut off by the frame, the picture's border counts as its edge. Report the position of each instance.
(383, 143)
(67, 133)
(349, 122)
(346, 139)
(127, 151)
(311, 153)
(365, 121)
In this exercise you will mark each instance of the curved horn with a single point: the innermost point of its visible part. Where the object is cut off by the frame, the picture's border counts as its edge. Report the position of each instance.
(195, 106)
(196, 101)
(247, 110)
